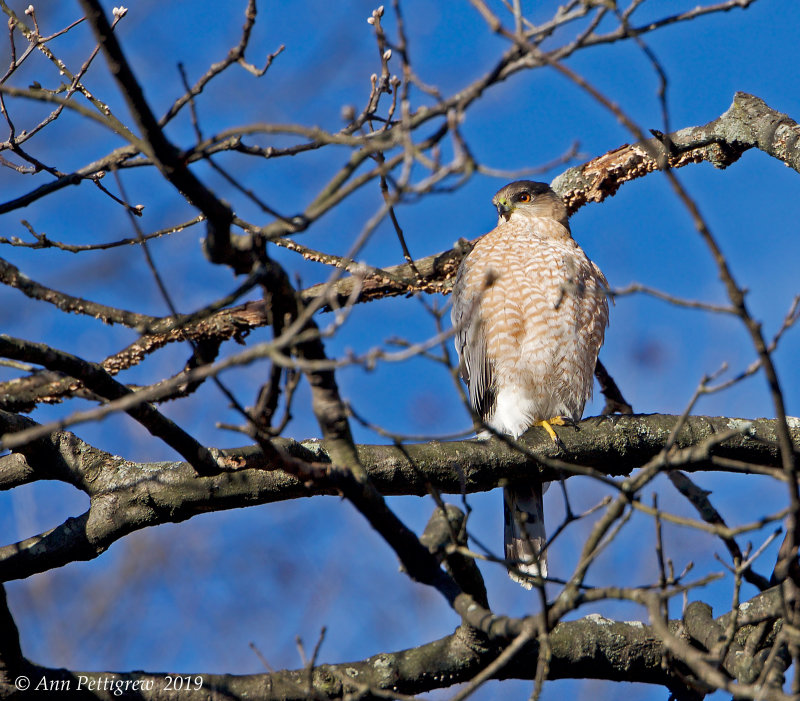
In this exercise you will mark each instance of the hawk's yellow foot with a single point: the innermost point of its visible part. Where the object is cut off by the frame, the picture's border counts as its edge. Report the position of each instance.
(563, 421)
(548, 424)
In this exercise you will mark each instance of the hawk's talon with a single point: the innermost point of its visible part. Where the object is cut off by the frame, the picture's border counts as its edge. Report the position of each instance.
(547, 425)
(564, 421)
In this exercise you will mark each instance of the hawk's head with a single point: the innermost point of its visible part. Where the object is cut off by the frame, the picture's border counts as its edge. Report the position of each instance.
(527, 199)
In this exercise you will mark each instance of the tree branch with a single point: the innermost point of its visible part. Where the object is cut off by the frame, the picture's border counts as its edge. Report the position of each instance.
(99, 381)
(127, 496)
(165, 156)
(587, 648)
(748, 123)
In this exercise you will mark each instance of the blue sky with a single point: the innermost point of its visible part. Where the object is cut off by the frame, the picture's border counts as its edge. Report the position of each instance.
(192, 596)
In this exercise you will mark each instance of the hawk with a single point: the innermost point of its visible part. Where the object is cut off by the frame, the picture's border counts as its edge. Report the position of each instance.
(529, 312)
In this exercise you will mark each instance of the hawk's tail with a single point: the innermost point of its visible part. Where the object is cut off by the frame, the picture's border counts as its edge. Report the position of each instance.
(525, 536)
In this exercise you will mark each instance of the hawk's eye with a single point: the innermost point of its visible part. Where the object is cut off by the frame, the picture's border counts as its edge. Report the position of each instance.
(524, 197)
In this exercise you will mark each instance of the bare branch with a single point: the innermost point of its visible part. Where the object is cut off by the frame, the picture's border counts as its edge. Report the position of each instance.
(604, 445)
(156, 145)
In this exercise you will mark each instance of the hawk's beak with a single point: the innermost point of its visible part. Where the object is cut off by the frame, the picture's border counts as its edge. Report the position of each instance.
(503, 208)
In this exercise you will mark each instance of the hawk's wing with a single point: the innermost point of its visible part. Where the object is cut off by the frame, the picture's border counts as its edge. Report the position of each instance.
(470, 341)
(599, 319)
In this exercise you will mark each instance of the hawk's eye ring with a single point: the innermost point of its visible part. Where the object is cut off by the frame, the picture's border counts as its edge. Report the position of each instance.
(524, 197)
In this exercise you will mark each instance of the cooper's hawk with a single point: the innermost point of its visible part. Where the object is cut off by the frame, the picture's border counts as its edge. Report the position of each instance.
(530, 313)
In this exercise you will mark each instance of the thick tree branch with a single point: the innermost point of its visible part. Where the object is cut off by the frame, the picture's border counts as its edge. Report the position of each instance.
(11, 659)
(127, 496)
(588, 648)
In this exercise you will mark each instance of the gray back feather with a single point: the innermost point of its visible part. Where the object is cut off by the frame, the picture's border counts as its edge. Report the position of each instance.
(470, 341)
